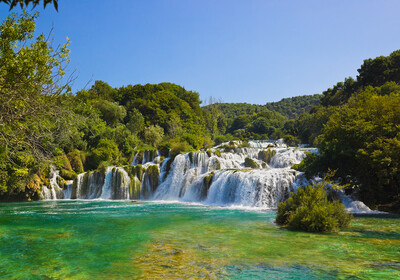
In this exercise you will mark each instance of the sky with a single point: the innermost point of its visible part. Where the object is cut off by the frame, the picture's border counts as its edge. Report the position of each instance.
(253, 51)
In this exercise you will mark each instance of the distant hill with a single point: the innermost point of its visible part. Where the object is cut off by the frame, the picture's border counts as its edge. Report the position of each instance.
(233, 110)
(295, 106)
(288, 107)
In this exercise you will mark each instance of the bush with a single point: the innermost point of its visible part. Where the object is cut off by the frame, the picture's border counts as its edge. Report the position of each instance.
(106, 150)
(310, 210)
(208, 142)
(164, 148)
(290, 140)
(76, 162)
(179, 147)
(219, 139)
(194, 140)
(266, 155)
(248, 162)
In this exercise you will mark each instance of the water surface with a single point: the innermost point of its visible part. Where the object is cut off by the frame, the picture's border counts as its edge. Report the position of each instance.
(124, 240)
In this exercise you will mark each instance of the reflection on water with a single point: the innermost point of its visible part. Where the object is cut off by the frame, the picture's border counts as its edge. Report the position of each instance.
(123, 240)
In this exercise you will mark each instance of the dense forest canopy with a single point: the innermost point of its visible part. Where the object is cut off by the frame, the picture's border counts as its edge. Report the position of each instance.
(355, 124)
(293, 107)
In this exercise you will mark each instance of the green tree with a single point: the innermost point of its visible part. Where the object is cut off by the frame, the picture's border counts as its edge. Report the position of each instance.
(135, 121)
(153, 135)
(361, 140)
(30, 113)
(310, 210)
(25, 3)
(111, 112)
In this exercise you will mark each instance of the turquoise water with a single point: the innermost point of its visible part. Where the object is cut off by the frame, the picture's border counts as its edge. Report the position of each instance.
(124, 240)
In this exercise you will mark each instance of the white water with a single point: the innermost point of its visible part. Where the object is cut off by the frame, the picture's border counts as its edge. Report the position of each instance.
(218, 180)
(53, 192)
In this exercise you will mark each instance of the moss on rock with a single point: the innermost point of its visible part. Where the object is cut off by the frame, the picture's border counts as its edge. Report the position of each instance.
(248, 162)
(207, 180)
(75, 160)
(267, 155)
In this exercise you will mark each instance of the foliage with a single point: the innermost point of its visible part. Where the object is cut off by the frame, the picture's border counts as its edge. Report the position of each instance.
(293, 107)
(179, 147)
(75, 160)
(363, 140)
(340, 93)
(153, 135)
(32, 119)
(106, 151)
(291, 140)
(234, 110)
(310, 210)
(266, 155)
(25, 3)
(248, 162)
(110, 112)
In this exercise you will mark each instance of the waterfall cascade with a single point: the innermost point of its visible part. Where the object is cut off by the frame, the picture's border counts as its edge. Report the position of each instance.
(258, 175)
(54, 191)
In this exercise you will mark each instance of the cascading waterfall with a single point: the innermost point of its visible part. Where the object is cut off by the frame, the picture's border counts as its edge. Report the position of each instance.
(224, 180)
(113, 183)
(54, 191)
(258, 175)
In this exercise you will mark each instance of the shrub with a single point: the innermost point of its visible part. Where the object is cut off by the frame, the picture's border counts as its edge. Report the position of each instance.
(291, 140)
(266, 155)
(309, 165)
(179, 147)
(219, 139)
(106, 150)
(195, 140)
(164, 148)
(248, 162)
(62, 162)
(76, 162)
(208, 142)
(310, 210)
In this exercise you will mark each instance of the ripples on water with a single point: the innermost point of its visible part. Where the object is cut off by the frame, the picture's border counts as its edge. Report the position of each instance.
(123, 240)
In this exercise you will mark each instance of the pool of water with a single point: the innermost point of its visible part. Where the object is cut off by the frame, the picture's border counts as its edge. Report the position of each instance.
(147, 240)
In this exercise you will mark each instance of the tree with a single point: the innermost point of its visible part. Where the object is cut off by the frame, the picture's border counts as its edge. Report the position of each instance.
(31, 89)
(111, 112)
(310, 210)
(361, 140)
(25, 3)
(153, 135)
(135, 121)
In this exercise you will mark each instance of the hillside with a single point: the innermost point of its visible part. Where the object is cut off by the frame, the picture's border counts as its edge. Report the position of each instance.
(288, 107)
(293, 107)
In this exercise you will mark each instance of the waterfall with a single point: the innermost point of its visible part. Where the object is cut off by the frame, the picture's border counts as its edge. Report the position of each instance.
(113, 183)
(54, 191)
(106, 187)
(258, 174)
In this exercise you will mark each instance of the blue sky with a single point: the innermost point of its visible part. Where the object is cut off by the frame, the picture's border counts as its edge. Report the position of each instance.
(253, 51)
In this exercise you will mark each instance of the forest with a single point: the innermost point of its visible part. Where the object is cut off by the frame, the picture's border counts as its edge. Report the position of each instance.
(355, 124)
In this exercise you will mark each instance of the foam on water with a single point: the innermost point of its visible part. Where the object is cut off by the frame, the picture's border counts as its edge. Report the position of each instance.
(217, 177)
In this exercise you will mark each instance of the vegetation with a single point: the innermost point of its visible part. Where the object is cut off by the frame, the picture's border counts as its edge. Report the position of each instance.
(43, 123)
(293, 107)
(356, 125)
(25, 3)
(310, 210)
(357, 132)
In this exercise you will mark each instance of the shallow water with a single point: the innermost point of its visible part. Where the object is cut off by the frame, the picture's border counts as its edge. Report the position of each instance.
(123, 240)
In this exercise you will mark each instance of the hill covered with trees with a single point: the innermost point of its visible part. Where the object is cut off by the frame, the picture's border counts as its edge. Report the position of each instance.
(293, 107)
(42, 122)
